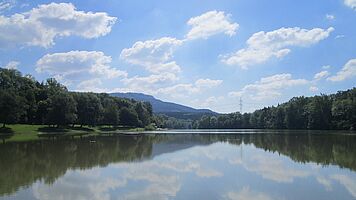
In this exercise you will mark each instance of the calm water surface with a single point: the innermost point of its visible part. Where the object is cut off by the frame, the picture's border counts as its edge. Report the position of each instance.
(260, 165)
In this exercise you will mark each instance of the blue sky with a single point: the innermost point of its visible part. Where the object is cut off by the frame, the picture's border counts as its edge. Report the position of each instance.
(205, 54)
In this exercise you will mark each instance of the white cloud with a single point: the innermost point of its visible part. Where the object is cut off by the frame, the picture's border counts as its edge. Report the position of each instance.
(148, 84)
(154, 55)
(181, 89)
(211, 101)
(211, 23)
(78, 63)
(330, 17)
(12, 65)
(43, 24)
(189, 88)
(350, 3)
(91, 85)
(313, 88)
(263, 46)
(347, 72)
(269, 87)
(6, 5)
(321, 75)
(326, 67)
(163, 84)
(152, 79)
(207, 83)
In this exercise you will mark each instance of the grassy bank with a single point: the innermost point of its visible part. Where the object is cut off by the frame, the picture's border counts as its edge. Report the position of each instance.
(25, 132)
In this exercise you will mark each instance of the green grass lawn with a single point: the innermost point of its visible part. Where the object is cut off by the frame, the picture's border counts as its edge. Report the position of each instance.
(25, 132)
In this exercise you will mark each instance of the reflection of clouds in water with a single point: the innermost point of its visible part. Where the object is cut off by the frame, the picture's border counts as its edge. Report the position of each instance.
(349, 183)
(77, 186)
(165, 175)
(159, 187)
(325, 182)
(235, 161)
(214, 152)
(175, 165)
(247, 194)
(160, 178)
(162, 188)
(273, 169)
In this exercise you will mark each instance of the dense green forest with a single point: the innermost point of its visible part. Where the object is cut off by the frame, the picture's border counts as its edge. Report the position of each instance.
(323, 112)
(25, 100)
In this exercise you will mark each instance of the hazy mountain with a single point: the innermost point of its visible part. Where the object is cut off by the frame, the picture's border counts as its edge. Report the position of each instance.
(160, 106)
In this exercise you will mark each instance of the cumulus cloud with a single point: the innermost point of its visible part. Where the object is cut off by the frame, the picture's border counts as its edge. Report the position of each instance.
(190, 88)
(12, 65)
(43, 24)
(91, 85)
(7, 5)
(154, 55)
(210, 101)
(263, 46)
(313, 88)
(211, 23)
(321, 75)
(148, 84)
(78, 63)
(347, 72)
(207, 83)
(330, 17)
(350, 3)
(269, 87)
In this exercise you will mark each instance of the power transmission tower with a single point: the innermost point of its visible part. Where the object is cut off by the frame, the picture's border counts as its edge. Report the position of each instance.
(240, 104)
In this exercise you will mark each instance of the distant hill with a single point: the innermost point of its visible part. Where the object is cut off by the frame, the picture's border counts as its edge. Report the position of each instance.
(168, 108)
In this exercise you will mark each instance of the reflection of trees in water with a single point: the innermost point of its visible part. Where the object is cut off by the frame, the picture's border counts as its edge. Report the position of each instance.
(323, 149)
(24, 163)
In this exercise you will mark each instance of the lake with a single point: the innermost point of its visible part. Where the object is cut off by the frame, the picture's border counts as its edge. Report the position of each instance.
(209, 164)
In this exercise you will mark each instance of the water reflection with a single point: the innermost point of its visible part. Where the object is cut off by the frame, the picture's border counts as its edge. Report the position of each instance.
(191, 166)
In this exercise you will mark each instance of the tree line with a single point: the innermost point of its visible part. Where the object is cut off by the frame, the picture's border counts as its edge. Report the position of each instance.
(321, 112)
(25, 100)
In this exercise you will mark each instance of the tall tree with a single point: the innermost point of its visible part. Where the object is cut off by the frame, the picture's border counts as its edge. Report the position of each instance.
(110, 112)
(88, 108)
(128, 117)
(62, 109)
(12, 107)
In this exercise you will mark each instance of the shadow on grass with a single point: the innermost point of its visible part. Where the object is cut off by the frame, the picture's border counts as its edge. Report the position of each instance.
(114, 128)
(52, 129)
(86, 129)
(5, 133)
(64, 129)
(6, 130)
